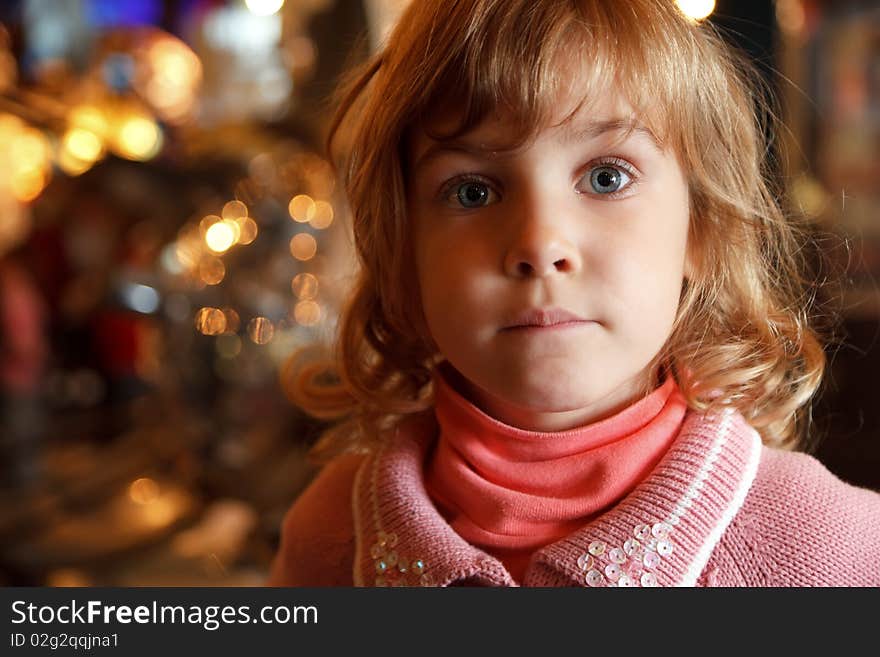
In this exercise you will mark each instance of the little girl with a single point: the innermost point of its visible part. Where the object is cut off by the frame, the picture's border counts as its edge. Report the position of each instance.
(579, 335)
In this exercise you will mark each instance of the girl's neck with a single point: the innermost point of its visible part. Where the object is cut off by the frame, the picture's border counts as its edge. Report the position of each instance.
(549, 421)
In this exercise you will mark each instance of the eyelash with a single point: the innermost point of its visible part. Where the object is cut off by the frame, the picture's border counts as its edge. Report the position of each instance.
(620, 163)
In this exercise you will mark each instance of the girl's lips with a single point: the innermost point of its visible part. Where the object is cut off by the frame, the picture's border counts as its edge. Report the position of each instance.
(544, 318)
(549, 327)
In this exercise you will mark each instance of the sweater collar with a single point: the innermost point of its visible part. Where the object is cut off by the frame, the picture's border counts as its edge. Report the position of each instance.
(503, 488)
(661, 533)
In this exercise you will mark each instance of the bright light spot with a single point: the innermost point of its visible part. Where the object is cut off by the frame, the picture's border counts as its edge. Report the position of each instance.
(307, 313)
(88, 117)
(169, 260)
(83, 144)
(26, 185)
(791, 16)
(323, 215)
(260, 330)
(211, 270)
(696, 9)
(234, 210)
(71, 165)
(143, 490)
(247, 230)
(29, 150)
(220, 237)
(264, 7)
(303, 246)
(235, 228)
(233, 321)
(301, 208)
(139, 138)
(210, 321)
(304, 286)
(141, 298)
(188, 251)
(207, 222)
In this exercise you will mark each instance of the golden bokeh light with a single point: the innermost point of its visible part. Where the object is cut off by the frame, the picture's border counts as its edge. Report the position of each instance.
(71, 165)
(220, 236)
(206, 222)
(143, 490)
(211, 270)
(138, 138)
(89, 117)
(210, 321)
(235, 210)
(304, 286)
(301, 208)
(303, 246)
(29, 149)
(247, 230)
(260, 330)
(27, 184)
(233, 321)
(307, 313)
(25, 159)
(176, 74)
(696, 9)
(82, 144)
(323, 215)
(791, 16)
(187, 251)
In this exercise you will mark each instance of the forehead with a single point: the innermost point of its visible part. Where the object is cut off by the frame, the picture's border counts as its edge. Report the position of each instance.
(576, 118)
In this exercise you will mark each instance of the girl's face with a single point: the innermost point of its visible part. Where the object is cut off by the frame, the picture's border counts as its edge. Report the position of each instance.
(587, 225)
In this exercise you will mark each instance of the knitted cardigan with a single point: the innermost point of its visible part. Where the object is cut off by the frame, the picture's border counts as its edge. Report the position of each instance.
(720, 509)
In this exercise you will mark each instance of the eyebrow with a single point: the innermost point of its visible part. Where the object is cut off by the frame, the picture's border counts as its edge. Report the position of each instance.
(583, 132)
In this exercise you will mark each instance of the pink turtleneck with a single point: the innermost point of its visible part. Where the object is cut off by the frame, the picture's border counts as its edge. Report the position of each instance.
(511, 492)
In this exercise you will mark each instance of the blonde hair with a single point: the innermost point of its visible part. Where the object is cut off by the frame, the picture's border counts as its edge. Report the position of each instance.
(742, 337)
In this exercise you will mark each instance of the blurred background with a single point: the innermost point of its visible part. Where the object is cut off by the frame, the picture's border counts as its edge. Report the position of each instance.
(170, 232)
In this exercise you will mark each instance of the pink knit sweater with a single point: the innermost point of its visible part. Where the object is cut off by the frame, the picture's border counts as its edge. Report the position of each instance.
(718, 510)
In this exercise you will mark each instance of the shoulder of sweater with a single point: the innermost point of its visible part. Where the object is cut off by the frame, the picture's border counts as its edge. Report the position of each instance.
(317, 534)
(800, 525)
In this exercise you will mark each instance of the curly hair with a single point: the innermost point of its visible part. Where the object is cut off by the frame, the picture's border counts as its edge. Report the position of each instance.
(742, 337)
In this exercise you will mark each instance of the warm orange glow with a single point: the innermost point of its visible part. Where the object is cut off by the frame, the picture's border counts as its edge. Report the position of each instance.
(261, 330)
(82, 144)
(220, 236)
(91, 118)
(301, 208)
(234, 210)
(210, 321)
(696, 9)
(323, 215)
(304, 286)
(212, 270)
(303, 246)
(26, 185)
(143, 490)
(307, 313)
(247, 230)
(138, 138)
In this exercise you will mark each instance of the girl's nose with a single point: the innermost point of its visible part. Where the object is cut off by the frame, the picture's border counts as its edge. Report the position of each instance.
(541, 249)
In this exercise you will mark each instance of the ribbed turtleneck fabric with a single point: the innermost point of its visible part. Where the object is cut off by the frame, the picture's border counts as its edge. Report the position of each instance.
(510, 492)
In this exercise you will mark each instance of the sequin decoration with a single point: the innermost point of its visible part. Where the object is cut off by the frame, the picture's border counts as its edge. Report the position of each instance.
(632, 564)
(393, 569)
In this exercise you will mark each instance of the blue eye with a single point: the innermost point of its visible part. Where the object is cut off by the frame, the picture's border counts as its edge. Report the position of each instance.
(608, 179)
(472, 194)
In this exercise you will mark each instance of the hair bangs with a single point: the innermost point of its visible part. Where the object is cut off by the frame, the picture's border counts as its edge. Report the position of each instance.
(540, 64)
